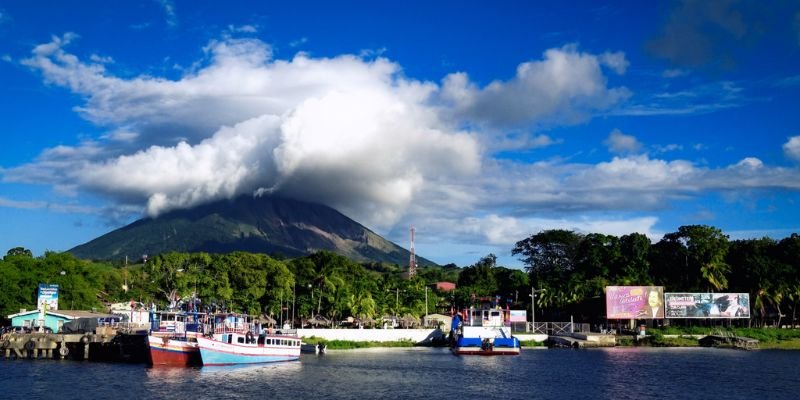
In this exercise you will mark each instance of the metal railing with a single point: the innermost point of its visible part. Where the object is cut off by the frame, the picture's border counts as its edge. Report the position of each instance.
(556, 328)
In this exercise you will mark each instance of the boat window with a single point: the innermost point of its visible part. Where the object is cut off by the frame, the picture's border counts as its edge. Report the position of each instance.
(240, 339)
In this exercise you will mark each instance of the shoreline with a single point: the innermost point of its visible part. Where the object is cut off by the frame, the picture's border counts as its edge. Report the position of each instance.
(627, 341)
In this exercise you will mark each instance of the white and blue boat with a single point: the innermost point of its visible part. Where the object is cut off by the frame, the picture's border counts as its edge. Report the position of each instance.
(239, 344)
(484, 332)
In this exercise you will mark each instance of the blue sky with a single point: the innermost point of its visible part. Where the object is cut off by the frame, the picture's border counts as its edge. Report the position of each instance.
(478, 123)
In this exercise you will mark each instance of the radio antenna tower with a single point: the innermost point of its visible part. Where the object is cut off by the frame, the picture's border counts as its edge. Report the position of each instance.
(412, 260)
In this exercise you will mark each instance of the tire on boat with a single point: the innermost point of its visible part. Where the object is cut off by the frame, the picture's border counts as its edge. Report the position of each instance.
(63, 350)
(85, 339)
(30, 345)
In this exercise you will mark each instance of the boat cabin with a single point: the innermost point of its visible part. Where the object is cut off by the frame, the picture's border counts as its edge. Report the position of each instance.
(488, 317)
(260, 340)
(176, 322)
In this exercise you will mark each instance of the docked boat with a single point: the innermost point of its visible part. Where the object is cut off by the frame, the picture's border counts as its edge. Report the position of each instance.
(174, 351)
(173, 338)
(483, 332)
(234, 342)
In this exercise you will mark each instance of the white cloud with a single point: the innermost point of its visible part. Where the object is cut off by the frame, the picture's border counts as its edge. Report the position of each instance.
(169, 11)
(505, 231)
(674, 73)
(243, 28)
(298, 42)
(100, 59)
(55, 207)
(358, 135)
(792, 148)
(618, 142)
(616, 61)
(667, 148)
(567, 86)
(304, 128)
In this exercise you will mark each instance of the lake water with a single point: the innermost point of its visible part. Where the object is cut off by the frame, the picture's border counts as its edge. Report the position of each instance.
(422, 373)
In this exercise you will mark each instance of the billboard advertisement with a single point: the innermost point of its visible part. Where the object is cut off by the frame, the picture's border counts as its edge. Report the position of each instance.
(518, 316)
(48, 294)
(635, 302)
(707, 305)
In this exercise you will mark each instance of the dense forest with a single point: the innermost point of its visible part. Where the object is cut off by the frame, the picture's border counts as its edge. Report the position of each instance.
(571, 270)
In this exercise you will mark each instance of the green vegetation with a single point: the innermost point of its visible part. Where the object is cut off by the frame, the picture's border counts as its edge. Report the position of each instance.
(572, 268)
(659, 340)
(349, 345)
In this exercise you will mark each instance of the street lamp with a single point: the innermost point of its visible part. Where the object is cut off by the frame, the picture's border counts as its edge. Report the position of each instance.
(426, 300)
(310, 288)
(533, 307)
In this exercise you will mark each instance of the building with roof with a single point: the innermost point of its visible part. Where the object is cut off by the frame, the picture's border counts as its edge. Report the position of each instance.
(55, 319)
(445, 286)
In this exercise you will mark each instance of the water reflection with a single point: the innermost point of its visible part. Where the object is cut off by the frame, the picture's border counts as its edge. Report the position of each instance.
(618, 373)
(247, 371)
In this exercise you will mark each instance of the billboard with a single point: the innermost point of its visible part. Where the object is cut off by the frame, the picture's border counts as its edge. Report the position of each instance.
(634, 302)
(48, 294)
(707, 305)
(518, 316)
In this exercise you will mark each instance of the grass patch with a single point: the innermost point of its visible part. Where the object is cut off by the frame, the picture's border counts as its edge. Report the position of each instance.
(768, 338)
(791, 344)
(625, 341)
(531, 343)
(680, 341)
(349, 344)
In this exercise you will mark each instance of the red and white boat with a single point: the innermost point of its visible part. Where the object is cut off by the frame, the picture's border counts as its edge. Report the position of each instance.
(174, 351)
(173, 339)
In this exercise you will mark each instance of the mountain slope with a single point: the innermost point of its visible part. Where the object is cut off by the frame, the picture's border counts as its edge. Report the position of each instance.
(265, 225)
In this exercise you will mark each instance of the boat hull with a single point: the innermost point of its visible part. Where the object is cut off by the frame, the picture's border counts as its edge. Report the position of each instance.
(216, 352)
(477, 351)
(487, 346)
(165, 351)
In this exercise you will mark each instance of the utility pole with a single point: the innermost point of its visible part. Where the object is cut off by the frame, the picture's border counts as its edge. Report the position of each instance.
(294, 301)
(426, 300)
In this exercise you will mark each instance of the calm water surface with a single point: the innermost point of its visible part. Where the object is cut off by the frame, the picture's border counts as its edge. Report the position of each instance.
(616, 373)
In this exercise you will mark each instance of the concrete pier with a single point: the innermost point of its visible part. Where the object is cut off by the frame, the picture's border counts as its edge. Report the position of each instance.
(581, 340)
(736, 342)
(38, 345)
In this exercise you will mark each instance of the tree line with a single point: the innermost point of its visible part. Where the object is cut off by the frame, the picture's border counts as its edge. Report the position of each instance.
(575, 268)
(570, 268)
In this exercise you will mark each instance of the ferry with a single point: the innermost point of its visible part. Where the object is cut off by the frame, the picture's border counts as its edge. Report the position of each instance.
(235, 341)
(173, 338)
(483, 332)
